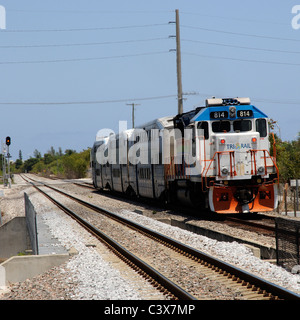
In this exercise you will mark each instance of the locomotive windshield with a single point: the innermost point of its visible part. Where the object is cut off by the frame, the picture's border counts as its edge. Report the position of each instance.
(242, 125)
(221, 126)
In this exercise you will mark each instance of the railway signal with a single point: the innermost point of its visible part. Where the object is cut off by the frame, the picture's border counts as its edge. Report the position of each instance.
(7, 140)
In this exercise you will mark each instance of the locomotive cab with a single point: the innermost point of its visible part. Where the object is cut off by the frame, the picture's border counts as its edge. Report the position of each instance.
(237, 169)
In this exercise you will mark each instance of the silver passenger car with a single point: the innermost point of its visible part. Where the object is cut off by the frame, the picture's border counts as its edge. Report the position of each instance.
(144, 178)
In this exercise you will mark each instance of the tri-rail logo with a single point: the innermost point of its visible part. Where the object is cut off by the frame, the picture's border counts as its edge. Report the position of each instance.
(238, 146)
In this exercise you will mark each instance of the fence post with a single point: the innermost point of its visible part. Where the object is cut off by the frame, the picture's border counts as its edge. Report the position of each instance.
(285, 197)
(295, 210)
(297, 195)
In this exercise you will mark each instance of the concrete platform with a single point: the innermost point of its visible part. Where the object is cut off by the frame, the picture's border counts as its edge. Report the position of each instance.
(15, 243)
(20, 268)
(14, 238)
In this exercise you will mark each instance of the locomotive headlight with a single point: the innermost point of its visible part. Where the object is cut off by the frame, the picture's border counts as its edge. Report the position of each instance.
(222, 141)
(224, 171)
(232, 112)
(254, 140)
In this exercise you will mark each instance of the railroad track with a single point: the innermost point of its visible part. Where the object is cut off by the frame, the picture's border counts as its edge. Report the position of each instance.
(80, 184)
(156, 279)
(251, 286)
(265, 226)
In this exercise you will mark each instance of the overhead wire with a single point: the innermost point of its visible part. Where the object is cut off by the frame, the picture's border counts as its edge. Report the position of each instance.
(234, 18)
(34, 103)
(83, 29)
(84, 59)
(239, 47)
(145, 54)
(88, 101)
(82, 44)
(93, 11)
(148, 40)
(242, 60)
(240, 33)
(242, 47)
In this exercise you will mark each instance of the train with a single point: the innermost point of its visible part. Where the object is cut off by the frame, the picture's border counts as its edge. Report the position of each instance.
(215, 157)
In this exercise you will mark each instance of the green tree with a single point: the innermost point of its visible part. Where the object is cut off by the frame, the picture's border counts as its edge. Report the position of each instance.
(48, 158)
(75, 166)
(288, 158)
(37, 154)
(18, 164)
(28, 164)
(69, 152)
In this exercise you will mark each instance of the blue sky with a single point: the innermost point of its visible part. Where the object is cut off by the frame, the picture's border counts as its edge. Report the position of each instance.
(94, 51)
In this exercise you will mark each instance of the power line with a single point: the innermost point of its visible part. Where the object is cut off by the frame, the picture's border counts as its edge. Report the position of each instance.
(85, 29)
(89, 102)
(205, 95)
(240, 47)
(282, 102)
(82, 44)
(92, 11)
(243, 60)
(240, 34)
(85, 59)
(257, 99)
(231, 18)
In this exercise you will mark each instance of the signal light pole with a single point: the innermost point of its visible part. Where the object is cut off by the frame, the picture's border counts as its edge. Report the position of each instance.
(8, 141)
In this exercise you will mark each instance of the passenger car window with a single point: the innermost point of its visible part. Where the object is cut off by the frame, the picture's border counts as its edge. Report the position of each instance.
(261, 127)
(242, 125)
(221, 126)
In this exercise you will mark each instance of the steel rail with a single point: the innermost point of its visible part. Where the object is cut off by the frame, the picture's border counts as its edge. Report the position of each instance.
(214, 263)
(252, 224)
(159, 279)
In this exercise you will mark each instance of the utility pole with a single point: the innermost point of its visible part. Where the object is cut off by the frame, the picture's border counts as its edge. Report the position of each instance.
(133, 105)
(178, 60)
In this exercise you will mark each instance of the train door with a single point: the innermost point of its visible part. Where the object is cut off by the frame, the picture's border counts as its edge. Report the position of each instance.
(116, 170)
(158, 169)
(131, 177)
